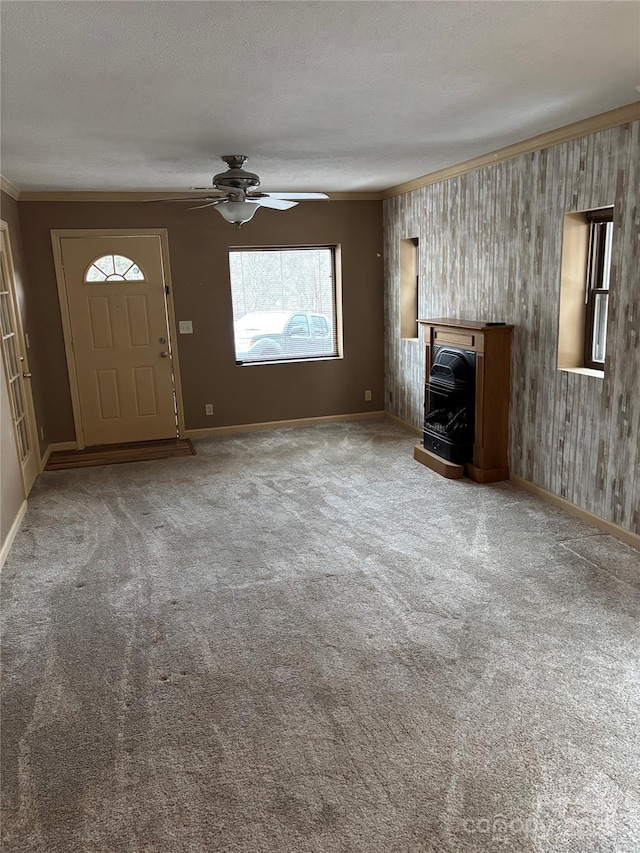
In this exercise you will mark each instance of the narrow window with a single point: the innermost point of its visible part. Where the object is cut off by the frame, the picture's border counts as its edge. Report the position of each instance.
(285, 303)
(409, 288)
(597, 286)
(584, 290)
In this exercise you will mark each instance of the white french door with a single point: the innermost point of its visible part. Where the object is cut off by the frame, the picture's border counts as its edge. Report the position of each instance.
(16, 368)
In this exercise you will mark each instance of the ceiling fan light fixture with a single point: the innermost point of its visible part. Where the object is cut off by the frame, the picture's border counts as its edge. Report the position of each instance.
(237, 212)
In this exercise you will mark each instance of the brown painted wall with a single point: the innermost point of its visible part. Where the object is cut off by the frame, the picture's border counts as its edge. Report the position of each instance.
(198, 245)
(27, 299)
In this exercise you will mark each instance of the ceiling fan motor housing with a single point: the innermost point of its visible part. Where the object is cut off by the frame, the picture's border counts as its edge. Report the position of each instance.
(236, 178)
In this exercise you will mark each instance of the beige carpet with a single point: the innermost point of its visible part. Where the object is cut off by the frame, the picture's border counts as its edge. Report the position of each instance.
(302, 641)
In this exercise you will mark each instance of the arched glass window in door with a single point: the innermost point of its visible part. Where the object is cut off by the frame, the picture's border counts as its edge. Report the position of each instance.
(113, 268)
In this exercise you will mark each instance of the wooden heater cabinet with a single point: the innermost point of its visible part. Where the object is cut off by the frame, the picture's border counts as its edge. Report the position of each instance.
(492, 347)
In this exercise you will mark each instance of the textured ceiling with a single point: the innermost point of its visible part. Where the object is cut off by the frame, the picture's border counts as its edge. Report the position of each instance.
(320, 95)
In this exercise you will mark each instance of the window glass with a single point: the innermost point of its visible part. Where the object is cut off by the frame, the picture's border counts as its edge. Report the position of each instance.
(299, 325)
(599, 345)
(113, 268)
(284, 303)
(597, 286)
(320, 327)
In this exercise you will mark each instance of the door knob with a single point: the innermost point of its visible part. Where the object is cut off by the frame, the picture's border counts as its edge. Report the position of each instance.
(27, 375)
(164, 354)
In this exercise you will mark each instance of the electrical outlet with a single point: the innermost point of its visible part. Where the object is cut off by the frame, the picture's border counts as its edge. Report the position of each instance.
(185, 327)
(208, 408)
(367, 396)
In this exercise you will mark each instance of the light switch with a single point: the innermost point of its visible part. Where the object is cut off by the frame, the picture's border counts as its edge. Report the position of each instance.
(186, 327)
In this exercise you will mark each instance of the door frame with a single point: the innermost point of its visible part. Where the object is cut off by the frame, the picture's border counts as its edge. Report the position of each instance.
(57, 235)
(23, 352)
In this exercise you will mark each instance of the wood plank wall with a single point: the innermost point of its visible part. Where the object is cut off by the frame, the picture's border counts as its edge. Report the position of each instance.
(490, 249)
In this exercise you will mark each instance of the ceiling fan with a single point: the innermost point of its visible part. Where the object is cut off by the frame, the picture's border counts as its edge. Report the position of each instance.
(236, 198)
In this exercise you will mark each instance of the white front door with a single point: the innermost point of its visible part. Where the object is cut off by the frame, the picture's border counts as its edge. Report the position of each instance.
(16, 368)
(116, 297)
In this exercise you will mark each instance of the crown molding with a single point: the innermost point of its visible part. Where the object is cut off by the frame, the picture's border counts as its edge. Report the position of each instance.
(8, 188)
(585, 127)
(82, 195)
(374, 195)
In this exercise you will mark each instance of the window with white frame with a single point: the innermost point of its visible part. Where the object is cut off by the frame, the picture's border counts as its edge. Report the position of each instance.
(597, 286)
(285, 303)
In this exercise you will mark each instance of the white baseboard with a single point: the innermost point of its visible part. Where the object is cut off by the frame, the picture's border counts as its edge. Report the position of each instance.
(410, 427)
(298, 422)
(609, 527)
(11, 535)
(57, 445)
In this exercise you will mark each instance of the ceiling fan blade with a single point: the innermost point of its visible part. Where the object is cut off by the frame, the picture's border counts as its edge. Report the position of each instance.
(208, 204)
(275, 203)
(183, 198)
(298, 196)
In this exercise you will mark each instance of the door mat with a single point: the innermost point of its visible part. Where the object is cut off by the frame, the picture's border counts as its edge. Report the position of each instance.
(116, 454)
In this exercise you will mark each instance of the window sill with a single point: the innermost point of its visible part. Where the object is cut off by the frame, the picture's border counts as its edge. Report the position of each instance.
(584, 371)
(288, 361)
